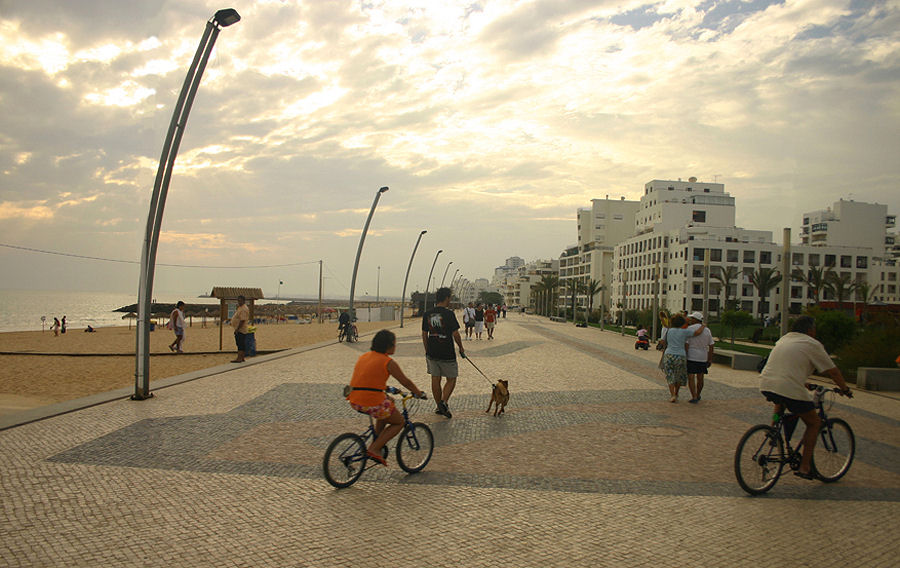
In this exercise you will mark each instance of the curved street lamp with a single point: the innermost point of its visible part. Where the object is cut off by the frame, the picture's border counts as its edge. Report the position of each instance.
(221, 19)
(427, 282)
(445, 272)
(362, 239)
(403, 295)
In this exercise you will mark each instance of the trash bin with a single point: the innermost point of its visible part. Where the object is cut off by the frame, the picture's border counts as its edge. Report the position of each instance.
(250, 342)
(152, 326)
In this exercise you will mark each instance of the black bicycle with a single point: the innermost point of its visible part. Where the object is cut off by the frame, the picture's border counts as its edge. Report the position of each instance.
(348, 333)
(764, 450)
(346, 460)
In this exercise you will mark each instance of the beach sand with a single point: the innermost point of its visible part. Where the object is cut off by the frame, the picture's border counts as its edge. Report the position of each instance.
(50, 374)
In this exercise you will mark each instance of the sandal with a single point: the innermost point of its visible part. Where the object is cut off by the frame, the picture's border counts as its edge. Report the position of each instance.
(808, 475)
(375, 457)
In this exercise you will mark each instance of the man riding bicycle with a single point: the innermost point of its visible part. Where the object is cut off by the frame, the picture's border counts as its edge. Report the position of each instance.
(783, 381)
(343, 320)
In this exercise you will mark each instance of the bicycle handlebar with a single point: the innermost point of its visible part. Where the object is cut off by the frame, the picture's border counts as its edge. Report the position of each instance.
(814, 387)
(395, 390)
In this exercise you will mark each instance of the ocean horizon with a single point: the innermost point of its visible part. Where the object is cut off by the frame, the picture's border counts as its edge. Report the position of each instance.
(21, 310)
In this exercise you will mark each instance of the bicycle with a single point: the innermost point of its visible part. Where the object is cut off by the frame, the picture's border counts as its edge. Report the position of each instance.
(345, 459)
(349, 333)
(760, 455)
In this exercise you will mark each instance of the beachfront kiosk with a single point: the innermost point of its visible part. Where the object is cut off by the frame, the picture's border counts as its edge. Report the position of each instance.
(228, 303)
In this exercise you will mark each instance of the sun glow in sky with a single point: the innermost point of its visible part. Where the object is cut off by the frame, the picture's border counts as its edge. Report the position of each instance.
(491, 121)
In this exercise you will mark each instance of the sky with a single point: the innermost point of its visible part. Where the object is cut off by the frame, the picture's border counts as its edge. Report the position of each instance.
(491, 121)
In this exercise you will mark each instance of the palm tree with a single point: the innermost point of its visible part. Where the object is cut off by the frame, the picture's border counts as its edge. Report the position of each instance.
(764, 279)
(814, 280)
(725, 275)
(591, 289)
(865, 292)
(841, 286)
(549, 283)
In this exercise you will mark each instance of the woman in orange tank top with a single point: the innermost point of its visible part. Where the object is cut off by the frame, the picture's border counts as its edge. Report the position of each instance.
(367, 395)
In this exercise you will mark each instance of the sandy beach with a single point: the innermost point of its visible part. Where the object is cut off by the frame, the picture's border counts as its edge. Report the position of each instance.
(37, 368)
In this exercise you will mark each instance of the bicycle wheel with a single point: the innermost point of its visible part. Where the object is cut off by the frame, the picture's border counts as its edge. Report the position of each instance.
(415, 446)
(759, 459)
(833, 454)
(345, 460)
(354, 335)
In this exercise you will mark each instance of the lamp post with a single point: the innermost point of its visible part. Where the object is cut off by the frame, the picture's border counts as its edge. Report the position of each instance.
(362, 239)
(378, 288)
(403, 295)
(427, 282)
(445, 273)
(221, 19)
(453, 279)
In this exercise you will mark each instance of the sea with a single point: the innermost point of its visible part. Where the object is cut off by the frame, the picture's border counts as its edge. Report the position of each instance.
(34, 310)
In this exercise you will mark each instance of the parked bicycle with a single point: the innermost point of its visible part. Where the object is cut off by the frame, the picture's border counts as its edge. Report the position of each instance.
(764, 450)
(345, 459)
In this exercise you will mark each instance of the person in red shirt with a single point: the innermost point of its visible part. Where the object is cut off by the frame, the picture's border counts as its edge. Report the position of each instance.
(490, 320)
(370, 376)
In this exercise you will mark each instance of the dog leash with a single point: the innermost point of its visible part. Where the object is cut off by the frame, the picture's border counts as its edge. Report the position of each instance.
(479, 370)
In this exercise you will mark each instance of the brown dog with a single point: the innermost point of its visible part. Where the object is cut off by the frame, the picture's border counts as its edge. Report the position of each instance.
(499, 397)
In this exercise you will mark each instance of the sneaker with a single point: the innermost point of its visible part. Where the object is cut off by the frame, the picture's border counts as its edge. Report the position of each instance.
(443, 409)
(447, 412)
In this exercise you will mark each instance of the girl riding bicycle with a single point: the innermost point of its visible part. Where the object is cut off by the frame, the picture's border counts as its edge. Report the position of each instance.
(367, 386)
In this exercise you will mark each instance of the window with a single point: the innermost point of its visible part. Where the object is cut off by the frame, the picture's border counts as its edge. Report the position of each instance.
(862, 262)
(749, 256)
(699, 216)
(765, 257)
(699, 254)
(846, 261)
(705, 190)
(830, 260)
(715, 255)
(731, 256)
(617, 217)
(797, 258)
(806, 220)
(814, 260)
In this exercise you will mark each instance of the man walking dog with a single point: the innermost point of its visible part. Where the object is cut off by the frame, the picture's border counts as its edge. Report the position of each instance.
(439, 330)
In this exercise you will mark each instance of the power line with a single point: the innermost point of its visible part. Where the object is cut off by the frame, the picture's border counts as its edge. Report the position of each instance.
(71, 255)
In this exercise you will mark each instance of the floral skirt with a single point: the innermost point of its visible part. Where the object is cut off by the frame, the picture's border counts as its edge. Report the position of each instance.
(675, 367)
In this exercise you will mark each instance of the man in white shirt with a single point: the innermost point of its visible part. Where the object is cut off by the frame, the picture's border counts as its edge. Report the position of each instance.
(699, 355)
(783, 381)
(469, 319)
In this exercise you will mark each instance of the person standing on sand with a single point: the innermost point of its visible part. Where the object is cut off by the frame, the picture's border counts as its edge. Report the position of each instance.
(55, 327)
(63, 328)
(176, 321)
(240, 321)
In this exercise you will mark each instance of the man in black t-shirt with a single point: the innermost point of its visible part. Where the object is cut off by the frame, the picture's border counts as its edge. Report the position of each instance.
(439, 330)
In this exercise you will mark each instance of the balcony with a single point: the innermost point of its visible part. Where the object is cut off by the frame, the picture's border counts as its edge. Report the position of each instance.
(819, 227)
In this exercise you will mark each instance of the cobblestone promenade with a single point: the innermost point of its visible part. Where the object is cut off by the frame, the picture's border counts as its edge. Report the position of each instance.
(590, 466)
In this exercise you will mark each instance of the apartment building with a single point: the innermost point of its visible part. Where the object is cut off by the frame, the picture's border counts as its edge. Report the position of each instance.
(517, 287)
(678, 222)
(600, 227)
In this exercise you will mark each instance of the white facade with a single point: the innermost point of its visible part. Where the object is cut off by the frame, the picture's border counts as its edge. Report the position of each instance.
(600, 227)
(678, 221)
(517, 289)
(852, 223)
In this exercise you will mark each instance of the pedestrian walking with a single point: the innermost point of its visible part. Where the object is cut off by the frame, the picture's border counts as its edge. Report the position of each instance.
(176, 324)
(699, 355)
(675, 356)
(240, 322)
(479, 320)
(490, 320)
(55, 327)
(62, 328)
(469, 320)
(440, 330)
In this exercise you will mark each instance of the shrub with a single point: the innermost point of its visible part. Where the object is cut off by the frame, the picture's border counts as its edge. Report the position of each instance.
(834, 328)
(876, 346)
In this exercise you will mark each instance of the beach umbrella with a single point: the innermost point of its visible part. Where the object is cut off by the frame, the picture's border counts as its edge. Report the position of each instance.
(130, 316)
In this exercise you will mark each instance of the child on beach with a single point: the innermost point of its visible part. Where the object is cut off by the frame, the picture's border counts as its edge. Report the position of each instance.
(367, 386)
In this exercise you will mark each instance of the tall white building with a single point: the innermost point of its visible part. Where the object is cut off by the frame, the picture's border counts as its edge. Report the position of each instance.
(677, 222)
(852, 223)
(600, 227)
(517, 288)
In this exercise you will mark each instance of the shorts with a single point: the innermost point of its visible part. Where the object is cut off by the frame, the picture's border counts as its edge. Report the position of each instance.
(179, 331)
(697, 367)
(240, 339)
(675, 369)
(792, 404)
(479, 326)
(442, 368)
(470, 324)
(489, 324)
(379, 411)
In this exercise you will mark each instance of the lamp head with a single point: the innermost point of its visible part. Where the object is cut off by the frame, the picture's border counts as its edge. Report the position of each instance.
(227, 17)
(423, 232)
(383, 189)
(440, 251)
